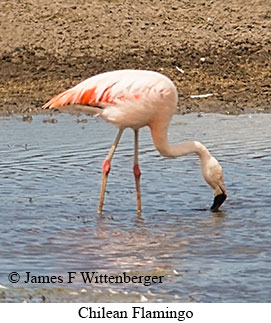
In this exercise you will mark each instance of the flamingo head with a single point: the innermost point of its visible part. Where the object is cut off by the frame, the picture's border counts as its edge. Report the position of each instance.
(213, 175)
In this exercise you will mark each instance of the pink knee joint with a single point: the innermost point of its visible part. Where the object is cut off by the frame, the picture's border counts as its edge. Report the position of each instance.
(106, 166)
(137, 171)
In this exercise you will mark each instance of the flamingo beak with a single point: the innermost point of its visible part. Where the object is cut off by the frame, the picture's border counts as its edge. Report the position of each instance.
(218, 201)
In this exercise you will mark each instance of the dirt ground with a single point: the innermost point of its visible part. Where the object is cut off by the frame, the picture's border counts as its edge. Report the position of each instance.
(221, 48)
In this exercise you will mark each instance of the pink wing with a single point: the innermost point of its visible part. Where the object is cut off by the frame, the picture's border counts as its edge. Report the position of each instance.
(112, 88)
(85, 93)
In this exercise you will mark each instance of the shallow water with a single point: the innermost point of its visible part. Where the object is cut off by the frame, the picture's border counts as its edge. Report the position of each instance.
(49, 184)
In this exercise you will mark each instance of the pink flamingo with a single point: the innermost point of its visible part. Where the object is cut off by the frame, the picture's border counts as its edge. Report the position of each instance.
(135, 99)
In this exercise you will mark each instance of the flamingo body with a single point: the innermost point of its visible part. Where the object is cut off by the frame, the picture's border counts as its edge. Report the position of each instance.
(128, 98)
(134, 99)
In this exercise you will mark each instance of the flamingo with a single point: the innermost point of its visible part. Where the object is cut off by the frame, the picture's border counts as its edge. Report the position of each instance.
(135, 99)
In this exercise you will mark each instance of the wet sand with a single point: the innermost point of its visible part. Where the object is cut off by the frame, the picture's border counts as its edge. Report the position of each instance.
(221, 48)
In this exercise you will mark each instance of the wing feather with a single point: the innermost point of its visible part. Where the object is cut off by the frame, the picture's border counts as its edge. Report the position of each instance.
(110, 89)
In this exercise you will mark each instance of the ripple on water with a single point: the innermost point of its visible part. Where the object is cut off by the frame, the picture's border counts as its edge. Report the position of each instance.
(50, 177)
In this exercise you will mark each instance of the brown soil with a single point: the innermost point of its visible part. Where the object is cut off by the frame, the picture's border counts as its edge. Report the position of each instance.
(223, 48)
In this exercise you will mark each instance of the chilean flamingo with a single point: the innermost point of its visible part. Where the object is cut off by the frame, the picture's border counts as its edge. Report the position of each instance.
(135, 99)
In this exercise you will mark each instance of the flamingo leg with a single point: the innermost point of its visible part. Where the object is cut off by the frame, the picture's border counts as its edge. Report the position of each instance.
(137, 174)
(106, 169)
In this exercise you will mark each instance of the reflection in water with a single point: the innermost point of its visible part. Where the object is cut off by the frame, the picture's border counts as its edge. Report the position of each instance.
(49, 225)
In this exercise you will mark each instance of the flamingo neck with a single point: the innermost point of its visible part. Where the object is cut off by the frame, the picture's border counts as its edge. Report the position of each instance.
(161, 143)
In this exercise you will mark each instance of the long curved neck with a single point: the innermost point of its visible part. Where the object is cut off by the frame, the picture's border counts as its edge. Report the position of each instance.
(161, 143)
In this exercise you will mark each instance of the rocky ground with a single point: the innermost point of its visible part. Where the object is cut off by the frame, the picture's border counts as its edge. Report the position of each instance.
(221, 48)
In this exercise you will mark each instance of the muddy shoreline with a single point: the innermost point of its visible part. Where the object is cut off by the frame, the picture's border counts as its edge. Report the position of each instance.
(206, 47)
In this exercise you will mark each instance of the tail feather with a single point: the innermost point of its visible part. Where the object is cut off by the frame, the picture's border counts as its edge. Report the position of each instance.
(60, 100)
(73, 96)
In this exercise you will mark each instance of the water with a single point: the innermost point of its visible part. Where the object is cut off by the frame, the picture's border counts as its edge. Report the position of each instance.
(49, 184)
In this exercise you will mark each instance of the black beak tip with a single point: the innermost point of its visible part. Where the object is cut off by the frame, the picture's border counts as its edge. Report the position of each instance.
(218, 201)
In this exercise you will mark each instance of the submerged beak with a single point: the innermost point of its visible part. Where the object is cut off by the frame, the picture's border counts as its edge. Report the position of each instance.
(218, 201)
(220, 192)
(213, 175)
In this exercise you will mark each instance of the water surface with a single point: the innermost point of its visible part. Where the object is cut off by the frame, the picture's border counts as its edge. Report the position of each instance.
(49, 184)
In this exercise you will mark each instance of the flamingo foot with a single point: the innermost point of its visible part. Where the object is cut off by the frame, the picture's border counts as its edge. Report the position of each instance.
(218, 201)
